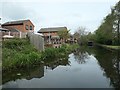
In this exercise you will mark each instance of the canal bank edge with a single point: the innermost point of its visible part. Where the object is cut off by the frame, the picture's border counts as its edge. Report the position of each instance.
(110, 47)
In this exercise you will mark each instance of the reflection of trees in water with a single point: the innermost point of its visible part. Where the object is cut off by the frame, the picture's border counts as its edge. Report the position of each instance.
(82, 54)
(116, 66)
(27, 73)
(81, 57)
(33, 72)
(109, 61)
(54, 63)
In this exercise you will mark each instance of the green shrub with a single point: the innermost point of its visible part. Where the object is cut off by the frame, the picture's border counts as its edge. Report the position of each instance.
(49, 53)
(18, 53)
(15, 43)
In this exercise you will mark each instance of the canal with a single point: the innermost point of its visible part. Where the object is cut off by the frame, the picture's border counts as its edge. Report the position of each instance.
(87, 67)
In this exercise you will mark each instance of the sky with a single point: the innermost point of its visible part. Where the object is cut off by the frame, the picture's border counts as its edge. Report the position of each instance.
(56, 13)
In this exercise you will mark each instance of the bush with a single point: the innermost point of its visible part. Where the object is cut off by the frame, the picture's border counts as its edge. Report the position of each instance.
(15, 43)
(18, 53)
(49, 53)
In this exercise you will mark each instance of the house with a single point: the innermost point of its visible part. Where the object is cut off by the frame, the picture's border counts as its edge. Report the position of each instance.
(21, 25)
(72, 39)
(18, 28)
(51, 36)
(2, 30)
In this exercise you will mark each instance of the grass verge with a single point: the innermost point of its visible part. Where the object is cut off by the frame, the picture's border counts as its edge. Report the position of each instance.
(111, 47)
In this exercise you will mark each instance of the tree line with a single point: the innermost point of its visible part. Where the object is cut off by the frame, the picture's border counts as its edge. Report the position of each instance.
(107, 33)
(109, 30)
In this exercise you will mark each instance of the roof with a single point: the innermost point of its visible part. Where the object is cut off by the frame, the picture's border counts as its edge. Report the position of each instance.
(53, 29)
(39, 34)
(3, 29)
(19, 22)
(12, 29)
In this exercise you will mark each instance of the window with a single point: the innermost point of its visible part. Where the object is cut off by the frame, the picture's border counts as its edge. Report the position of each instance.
(30, 27)
(26, 27)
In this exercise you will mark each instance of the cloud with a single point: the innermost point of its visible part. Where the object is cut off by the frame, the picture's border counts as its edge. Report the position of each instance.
(61, 1)
(14, 11)
(49, 13)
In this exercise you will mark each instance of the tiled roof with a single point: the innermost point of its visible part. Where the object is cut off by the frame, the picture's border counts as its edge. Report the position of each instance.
(52, 29)
(15, 22)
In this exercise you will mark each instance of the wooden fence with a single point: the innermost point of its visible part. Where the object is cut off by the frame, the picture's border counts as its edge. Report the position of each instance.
(37, 41)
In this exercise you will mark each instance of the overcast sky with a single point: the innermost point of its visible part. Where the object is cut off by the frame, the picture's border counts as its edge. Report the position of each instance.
(53, 13)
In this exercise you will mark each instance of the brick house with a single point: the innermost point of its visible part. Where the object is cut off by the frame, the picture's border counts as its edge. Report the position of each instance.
(18, 28)
(21, 25)
(2, 30)
(51, 36)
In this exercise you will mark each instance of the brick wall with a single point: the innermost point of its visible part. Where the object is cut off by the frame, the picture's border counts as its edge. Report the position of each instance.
(29, 24)
(18, 27)
(21, 27)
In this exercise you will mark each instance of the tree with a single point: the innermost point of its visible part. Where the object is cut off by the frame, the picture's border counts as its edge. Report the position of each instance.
(91, 36)
(81, 31)
(64, 34)
(104, 34)
(80, 35)
(108, 32)
(117, 21)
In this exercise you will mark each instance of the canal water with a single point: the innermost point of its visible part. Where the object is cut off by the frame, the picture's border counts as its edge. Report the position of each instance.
(87, 67)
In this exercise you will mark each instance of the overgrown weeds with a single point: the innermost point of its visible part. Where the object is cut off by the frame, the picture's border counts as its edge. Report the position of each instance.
(19, 53)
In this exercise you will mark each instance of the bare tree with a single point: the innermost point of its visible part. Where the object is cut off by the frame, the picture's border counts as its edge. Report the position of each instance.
(80, 34)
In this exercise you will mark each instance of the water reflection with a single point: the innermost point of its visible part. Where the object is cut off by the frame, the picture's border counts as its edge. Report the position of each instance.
(36, 72)
(54, 63)
(81, 55)
(109, 62)
(27, 73)
(86, 67)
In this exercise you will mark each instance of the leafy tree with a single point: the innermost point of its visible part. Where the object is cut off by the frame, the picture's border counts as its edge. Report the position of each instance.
(108, 32)
(64, 34)
(117, 23)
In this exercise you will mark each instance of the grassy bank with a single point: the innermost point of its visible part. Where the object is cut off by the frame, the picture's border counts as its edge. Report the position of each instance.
(18, 53)
(110, 47)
